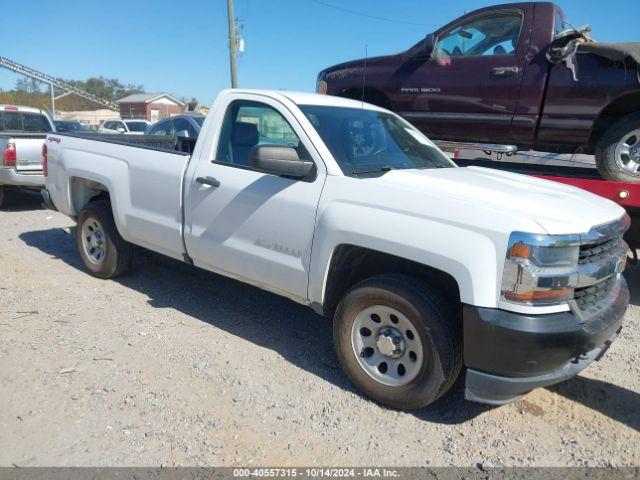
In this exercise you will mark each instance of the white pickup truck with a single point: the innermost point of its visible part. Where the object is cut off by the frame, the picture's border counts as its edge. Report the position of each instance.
(22, 134)
(343, 206)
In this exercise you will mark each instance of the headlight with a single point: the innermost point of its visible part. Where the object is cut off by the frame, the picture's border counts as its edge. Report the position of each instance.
(540, 269)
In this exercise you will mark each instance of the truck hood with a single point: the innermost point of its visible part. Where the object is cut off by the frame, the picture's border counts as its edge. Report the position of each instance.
(557, 208)
(354, 67)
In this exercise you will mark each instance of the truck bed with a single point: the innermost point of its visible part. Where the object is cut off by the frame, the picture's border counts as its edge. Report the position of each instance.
(133, 169)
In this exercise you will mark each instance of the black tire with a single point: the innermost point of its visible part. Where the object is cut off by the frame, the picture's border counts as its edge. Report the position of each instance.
(606, 149)
(437, 321)
(1, 195)
(116, 257)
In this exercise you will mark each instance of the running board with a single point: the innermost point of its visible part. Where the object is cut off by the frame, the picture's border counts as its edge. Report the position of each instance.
(485, 147)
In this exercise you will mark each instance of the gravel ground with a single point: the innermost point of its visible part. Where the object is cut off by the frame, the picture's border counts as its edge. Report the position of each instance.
(170, 365)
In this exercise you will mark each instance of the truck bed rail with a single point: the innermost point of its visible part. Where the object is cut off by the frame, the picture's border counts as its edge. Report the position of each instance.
(179, 145)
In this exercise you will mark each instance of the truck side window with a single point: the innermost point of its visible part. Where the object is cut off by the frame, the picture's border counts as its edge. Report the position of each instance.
(491, 34)
(183, 127)
(247, 124)
(559, 25)
(161, 128)
(34, 122)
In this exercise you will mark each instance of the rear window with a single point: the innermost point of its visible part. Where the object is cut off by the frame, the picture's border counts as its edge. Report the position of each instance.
(23, 122)
(136, 126)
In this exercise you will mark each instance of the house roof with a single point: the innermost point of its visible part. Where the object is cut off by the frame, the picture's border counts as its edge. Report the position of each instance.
(147, 98)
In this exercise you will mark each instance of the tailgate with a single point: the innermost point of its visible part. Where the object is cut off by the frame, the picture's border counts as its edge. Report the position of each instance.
(29, 152)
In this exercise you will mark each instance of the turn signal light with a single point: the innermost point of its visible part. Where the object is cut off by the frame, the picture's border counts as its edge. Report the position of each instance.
(520, 250)
(540, 295)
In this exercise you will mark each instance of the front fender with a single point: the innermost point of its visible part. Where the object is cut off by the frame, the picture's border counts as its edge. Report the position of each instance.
(474, 258)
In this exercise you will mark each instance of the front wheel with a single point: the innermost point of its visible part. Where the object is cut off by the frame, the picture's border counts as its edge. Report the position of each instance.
(104, 252)
(618, 151)
(398, 340)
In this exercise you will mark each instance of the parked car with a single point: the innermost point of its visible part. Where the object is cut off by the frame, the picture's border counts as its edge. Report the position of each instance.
(187, 125)
(485, 78)
(71, 126)
(346, 207)
(128, 127)
(22, 133)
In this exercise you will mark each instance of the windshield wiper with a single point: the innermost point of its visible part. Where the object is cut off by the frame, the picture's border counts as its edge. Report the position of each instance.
(384, 168)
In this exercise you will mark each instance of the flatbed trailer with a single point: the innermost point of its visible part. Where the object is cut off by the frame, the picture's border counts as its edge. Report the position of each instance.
(625, 194)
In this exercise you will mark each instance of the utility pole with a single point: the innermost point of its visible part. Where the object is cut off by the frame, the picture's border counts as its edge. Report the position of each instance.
(233, 45)
(53, 102)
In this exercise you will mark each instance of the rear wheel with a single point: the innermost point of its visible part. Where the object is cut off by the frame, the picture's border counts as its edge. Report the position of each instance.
(104, 252)
(398, 340)
(618, 151)
(1, 195)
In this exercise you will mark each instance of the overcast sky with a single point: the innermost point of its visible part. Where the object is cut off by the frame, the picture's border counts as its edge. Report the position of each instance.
(180, 46)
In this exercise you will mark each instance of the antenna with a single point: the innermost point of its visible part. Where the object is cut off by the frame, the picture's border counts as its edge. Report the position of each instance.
(364, 73)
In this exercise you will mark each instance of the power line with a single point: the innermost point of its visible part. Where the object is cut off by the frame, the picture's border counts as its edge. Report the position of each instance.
(375, 17)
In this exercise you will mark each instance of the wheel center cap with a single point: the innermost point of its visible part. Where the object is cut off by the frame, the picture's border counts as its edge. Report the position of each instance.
(634, 152)
(390, 342)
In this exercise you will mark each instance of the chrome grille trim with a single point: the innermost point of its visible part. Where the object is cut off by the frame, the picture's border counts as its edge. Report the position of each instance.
(599, 277)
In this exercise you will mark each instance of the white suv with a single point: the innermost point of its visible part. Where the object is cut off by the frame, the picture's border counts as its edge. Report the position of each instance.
(128, 127)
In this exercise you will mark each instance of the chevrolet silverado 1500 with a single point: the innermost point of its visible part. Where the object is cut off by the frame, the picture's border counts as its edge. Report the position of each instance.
(346, 207)
(22, 134)
(491, 76)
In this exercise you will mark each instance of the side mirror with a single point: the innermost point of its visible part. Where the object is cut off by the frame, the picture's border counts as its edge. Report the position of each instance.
(279, 160)
(182, 133)
(120, 130)
(429, 45)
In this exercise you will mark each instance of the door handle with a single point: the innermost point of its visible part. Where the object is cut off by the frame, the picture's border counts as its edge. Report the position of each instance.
(505, 71)
(212, 182)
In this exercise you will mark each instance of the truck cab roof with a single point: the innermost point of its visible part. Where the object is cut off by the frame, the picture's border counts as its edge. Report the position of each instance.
(305, 98)
(21, 108)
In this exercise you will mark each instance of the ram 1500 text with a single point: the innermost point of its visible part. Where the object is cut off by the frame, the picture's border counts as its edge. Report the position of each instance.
(423, 266)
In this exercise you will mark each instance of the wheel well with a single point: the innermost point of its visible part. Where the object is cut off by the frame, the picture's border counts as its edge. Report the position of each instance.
(84, 191)
(351, 264)
(620, 107)
(371, 95)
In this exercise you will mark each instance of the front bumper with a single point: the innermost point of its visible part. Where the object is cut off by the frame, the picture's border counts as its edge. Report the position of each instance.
(10, 176)
(509, 354)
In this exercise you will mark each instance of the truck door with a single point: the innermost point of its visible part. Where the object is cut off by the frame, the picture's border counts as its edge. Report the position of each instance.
(245, 223)
(468, 89)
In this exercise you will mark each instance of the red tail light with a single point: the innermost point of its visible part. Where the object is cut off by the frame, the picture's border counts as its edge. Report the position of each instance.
(9, 155)
(44, 159)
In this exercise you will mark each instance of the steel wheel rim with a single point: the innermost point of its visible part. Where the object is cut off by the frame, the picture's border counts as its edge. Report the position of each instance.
(627, 153)
(373, 334)
(93, 241)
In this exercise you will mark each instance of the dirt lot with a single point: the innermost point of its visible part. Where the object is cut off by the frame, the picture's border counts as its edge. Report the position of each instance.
(174, 366)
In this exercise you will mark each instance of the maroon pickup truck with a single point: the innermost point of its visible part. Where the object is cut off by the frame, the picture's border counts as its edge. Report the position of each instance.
(488, 77)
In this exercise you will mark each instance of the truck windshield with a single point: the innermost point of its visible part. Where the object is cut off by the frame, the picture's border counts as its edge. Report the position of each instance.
(367, 141)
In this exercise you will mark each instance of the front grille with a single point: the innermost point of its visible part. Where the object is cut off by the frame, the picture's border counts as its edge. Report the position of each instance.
(593, 252)
(600, 252)
(588, 297)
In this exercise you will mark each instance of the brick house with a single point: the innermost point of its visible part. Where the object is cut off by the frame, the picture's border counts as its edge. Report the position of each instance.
(152, 106)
